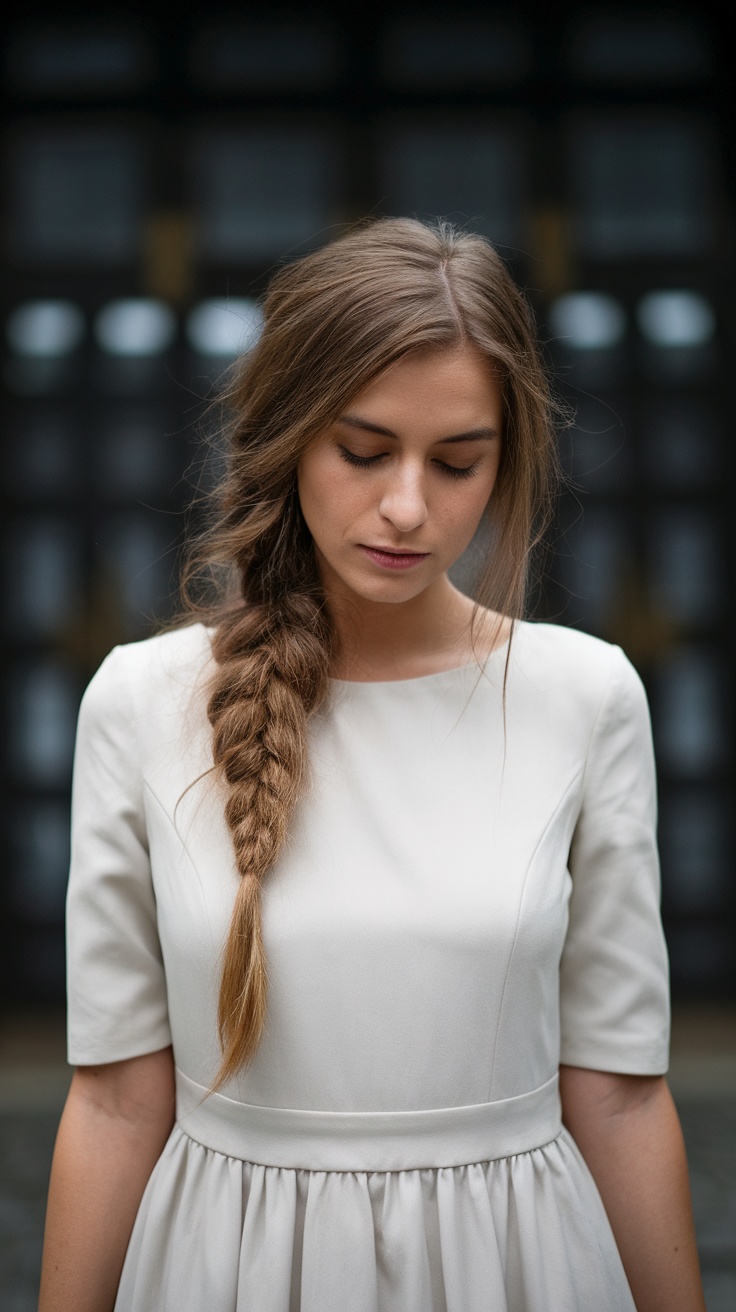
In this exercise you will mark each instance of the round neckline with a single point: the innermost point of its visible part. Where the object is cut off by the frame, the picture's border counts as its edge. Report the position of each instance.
(480, 666)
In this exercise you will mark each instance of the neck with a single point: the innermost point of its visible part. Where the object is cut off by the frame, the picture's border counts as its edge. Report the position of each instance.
(379, 640)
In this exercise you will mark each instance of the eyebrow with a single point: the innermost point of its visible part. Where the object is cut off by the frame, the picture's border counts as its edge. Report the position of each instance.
(473, 435)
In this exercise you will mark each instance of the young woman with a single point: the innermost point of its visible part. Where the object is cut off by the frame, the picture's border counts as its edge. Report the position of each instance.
(367, 982)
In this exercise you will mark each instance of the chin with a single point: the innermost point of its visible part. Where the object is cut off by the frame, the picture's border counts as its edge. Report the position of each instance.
(390, 590)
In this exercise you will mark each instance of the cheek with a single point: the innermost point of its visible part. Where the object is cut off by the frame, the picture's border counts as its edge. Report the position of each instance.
(326, 498)
(310, 492)
(464, 512)
(479, 496)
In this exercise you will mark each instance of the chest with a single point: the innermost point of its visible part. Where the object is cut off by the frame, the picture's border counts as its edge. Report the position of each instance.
(424, 825)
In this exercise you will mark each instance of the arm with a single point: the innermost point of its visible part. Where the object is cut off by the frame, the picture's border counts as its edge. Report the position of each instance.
(628, 1131)
(115, 1123)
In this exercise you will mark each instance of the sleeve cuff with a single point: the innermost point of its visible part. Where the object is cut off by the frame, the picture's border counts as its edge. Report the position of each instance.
(620, 1058)
(82, 1052)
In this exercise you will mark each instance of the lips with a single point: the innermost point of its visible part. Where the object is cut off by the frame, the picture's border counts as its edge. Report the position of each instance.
(390, 558)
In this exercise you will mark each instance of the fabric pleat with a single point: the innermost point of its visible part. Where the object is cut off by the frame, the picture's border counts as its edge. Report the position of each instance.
(524, 1233)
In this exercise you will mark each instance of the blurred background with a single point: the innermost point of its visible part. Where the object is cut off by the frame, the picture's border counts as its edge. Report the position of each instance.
(157, 163)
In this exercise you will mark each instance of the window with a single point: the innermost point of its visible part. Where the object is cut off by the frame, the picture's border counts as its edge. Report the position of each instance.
(76, 196)
(690, 719)
(471, 173)
(686, 565)
(641, 186)
(43, 575)
(262, 191)
(43, 701)
(287, 56)
(69, 61)
(640, 49)
(41, 859)
(446, 52)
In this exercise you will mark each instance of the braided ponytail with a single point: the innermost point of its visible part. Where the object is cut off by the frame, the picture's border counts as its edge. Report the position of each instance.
(271, 675)
(333, 322)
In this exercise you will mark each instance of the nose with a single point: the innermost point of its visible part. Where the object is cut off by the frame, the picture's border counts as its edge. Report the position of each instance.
(403, 501)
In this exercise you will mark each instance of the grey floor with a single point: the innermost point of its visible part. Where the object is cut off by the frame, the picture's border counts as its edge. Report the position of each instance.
(31, 1095)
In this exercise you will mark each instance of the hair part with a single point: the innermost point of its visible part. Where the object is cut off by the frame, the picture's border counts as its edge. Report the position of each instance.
(333, 321)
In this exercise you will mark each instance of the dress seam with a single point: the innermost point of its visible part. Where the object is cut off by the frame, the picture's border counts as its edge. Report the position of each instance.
(192, 864)
(577, 776)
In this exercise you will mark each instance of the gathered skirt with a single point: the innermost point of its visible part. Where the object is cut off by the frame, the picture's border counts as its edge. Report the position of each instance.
(253, 1209)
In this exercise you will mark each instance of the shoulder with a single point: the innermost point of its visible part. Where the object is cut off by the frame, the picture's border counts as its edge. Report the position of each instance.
(570, 646)
(149, 673)
(175, 653)
(577, 669)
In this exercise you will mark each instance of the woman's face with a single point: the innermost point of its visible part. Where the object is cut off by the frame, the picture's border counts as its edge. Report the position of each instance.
(394, 491)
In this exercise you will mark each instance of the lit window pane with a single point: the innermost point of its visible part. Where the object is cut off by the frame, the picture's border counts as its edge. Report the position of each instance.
(134, 455)
(43, 575)
(259, 56)
(675, 318)
(686, 566)
(135, 327)
(76, 197)
(41, 834)
(468, 174)
(681, 444)
(224, 327)
(587, 321)
(43, 706)
(695, 840)
(85, 61)
(691, 713)
(45, 329)
(640, 48)
(427, 52)
(677, 328)
(641, 187)
(262, 191)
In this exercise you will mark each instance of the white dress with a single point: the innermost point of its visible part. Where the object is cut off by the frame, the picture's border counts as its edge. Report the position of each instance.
(460, 907)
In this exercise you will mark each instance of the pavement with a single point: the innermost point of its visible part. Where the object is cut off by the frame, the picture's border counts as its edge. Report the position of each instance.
(34, 1079)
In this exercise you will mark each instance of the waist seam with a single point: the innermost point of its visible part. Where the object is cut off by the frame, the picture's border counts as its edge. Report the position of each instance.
(395, 1170)
(367, 1142)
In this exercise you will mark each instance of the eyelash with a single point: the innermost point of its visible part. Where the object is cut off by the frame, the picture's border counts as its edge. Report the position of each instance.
(365, 462)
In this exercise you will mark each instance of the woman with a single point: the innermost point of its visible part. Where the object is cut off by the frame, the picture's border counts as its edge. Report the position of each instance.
(397, 851)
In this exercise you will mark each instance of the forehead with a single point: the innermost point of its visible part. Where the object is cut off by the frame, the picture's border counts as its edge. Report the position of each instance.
(448, 381)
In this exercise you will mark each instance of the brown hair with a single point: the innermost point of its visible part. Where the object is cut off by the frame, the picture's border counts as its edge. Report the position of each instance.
(333, 321)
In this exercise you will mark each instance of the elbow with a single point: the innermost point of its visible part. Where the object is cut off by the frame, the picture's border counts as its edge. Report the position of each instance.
(138, 1094)
(606, 1096)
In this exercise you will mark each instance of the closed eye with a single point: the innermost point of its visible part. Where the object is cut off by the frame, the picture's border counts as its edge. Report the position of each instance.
(362, 462)
(457, 471)
(365, 462)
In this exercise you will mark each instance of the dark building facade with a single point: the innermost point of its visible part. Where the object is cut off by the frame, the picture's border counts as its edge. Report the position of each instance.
(158, 164)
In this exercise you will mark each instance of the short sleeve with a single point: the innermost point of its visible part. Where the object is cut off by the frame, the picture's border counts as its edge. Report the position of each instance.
(117, 1005)
(614, 991)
